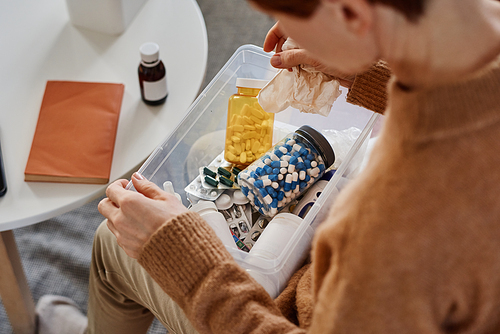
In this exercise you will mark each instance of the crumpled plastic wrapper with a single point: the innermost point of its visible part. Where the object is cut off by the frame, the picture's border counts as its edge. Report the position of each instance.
(305, 88)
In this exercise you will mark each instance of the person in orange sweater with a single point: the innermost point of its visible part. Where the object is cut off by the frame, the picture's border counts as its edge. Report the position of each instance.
(410, 246)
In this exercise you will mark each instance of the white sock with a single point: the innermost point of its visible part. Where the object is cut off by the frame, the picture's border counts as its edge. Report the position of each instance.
(59, 315)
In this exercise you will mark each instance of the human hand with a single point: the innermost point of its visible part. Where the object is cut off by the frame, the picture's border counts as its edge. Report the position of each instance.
(275, 39)
(134, 217)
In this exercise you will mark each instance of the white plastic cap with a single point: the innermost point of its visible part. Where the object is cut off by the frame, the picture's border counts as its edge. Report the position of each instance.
(203, 205)
(251, 83)
(239, 198)
(224, 202)
(287, 219)
(169, 188)
(150, 52)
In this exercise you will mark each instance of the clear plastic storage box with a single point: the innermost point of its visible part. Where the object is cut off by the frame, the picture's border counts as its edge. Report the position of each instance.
(199, 139)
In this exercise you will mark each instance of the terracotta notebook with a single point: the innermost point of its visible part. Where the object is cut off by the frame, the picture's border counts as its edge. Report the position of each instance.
(75, 133)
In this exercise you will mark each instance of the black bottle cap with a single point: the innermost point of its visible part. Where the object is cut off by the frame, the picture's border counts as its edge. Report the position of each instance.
(317, 139)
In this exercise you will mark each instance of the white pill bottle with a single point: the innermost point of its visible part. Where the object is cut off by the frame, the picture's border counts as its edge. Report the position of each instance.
(271, 246)
(208, 211)
(287, 170)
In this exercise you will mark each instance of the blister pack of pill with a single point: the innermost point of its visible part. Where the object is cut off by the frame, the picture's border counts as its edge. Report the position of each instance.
(199, 191)
(222, 177)
(235, 208)
(256, 231)
(207, 185)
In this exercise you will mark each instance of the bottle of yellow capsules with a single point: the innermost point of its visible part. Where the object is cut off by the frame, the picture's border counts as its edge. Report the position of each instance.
(249, 131)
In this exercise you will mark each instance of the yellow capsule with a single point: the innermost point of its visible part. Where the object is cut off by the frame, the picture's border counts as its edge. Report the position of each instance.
(231, 149)
(256, 120)
(258, 126)
(249, 127)
(237, 147)
(243, 157)
(239, 120)
(256, 147)
(237, 128)
(230, 156)
(248, 121)
(248, 145)
(257, 113)
(235, 139)
(249, 135)
(245, 111)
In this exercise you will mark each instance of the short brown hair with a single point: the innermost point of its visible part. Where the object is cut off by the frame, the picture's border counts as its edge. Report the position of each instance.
(412, 9)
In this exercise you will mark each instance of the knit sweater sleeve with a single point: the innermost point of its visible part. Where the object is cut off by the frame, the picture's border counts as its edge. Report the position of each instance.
(369, 89)
(192, 266)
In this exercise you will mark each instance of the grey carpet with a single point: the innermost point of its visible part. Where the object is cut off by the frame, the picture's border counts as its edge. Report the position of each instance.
(56, 253)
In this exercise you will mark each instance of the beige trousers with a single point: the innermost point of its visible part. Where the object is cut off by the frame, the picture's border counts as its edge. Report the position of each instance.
(123, 298)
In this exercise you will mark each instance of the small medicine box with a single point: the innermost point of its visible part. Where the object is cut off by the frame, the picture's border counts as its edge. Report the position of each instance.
(200, 138)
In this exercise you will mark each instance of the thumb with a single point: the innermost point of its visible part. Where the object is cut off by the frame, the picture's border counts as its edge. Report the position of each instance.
(291, 58)
(145, 187)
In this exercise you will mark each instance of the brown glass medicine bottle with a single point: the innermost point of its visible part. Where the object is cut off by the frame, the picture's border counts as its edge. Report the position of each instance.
(152, 75)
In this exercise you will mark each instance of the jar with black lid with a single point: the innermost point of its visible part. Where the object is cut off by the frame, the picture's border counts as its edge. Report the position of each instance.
(287, 170)
(152, 75)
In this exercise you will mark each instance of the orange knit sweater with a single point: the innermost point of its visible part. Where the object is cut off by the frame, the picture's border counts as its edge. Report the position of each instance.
(410, 246)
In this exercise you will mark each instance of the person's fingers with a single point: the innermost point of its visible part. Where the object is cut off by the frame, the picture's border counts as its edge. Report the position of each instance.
(145, 187)
(279, 47)
(123, 182)
(276, 60)
(116, 190)
(107, 208)
(291, 58)
(273, 38)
